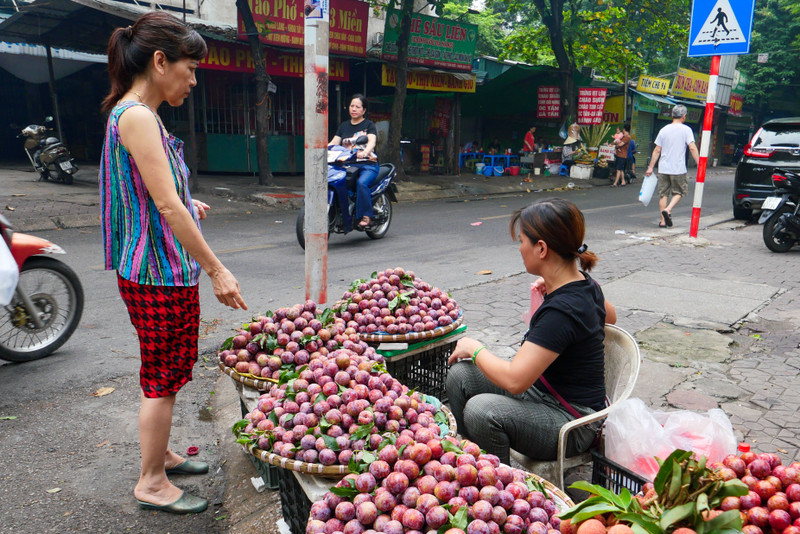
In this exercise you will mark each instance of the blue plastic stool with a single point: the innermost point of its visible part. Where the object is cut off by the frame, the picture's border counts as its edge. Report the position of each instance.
(563, 171)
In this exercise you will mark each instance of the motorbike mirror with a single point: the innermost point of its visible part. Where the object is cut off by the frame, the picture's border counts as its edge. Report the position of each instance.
(362, 140)
(49, 118)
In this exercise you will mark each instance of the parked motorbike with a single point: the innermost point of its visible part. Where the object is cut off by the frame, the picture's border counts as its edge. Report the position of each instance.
(48, 155)
(780, 213)
(47, 303)
(342, 201)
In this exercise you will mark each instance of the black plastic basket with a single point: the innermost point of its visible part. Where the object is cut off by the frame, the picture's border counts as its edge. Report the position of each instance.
(295, 505)
(425, 371)
(267, 472)
(613, 476)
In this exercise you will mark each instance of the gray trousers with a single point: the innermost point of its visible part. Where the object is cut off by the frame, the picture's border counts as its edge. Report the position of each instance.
(499, 421)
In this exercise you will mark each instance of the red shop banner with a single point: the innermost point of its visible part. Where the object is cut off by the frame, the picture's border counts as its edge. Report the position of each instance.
(548, 103)
(591, 102)
(235, 57)
(280, 23)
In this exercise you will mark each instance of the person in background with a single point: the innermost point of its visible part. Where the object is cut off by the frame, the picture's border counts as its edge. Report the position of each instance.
(151, 235)
(529, 145)
(494, 146)
(346, 135)
(469, 146)
(621, 156)
(671, 144)
(571, 144)
(502, 404)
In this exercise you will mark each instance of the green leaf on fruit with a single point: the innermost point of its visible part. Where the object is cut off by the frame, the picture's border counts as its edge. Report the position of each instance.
(270, 343)
(407, 280)
(460, 519)
(326, 317)
(724, 521)
(227, 344)
(268, 313)
(345, 492)
(273, 417)
(676, 514)
(362, 431)
(400, 451)
(239, 425)
(733, 488)
(535, 484)
(440, 417)
(449, 446)
(353, 465)
(591, 511)
(244, 440)
(330, 442)
(320, 397)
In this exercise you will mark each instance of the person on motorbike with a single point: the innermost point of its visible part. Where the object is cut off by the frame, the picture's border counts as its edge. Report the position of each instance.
(367, 160)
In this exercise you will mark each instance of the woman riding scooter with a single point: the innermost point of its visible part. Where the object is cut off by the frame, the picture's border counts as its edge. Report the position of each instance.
(367, 161)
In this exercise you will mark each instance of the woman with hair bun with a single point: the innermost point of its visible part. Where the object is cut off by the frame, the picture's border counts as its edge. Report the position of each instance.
(151, 235)
(503, 404)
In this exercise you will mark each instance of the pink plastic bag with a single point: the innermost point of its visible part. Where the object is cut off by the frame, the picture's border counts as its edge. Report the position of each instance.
(536, 300)
(635, 434)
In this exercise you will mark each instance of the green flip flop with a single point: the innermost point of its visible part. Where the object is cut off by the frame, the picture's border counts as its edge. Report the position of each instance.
(186, 504)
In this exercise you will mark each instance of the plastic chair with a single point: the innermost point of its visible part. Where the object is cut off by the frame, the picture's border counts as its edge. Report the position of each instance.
(622, 362)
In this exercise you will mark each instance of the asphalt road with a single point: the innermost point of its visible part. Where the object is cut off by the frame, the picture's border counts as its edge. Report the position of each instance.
(69, 460)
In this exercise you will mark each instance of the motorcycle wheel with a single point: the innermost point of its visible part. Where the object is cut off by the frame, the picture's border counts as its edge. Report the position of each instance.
(66, 177)
(383, 206)
(299, 228)
(774, 242)
(57, 295)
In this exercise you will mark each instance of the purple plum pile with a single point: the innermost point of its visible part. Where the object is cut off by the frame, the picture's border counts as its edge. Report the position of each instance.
(395, 301)
(338, 405)
(416, 487)
(289, 338)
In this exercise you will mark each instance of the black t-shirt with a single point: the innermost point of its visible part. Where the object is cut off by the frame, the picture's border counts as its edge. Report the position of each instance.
(571, 322)
(350, 132)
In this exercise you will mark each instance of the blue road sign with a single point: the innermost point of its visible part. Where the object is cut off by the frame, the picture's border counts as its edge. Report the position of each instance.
(720, 27)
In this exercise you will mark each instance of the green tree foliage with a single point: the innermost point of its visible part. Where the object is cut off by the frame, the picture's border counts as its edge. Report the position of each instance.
(776, 31)
(607, 35)
(489, 23)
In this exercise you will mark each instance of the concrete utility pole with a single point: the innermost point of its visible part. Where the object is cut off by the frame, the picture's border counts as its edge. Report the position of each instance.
(315, 86)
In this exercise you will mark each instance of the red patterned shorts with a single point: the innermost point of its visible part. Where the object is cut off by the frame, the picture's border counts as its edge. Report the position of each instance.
(167, 321)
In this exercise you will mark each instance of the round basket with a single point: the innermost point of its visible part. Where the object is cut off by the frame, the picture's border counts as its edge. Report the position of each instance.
(260, 384)
(331, 471)
(412, 337)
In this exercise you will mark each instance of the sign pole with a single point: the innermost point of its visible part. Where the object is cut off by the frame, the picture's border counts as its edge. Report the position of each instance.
(705, 143)
(315, 85)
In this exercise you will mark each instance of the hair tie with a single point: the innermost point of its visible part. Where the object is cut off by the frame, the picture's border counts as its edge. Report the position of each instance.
(129, 32)
(583, 248)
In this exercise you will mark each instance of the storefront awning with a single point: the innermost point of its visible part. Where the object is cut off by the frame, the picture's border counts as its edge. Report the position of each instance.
(655, 98)
(29, 62)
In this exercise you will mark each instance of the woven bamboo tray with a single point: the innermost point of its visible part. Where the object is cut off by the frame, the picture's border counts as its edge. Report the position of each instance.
(262, 384)
(561, 499)
(412, 337)
(331, 471)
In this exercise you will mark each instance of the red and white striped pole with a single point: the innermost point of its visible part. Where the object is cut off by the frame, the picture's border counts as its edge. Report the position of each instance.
(705, 144)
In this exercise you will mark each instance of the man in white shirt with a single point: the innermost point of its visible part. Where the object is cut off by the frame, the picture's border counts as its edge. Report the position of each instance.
(671, 144)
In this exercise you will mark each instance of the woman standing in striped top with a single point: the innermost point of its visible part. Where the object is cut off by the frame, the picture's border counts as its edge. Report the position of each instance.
(152, 238)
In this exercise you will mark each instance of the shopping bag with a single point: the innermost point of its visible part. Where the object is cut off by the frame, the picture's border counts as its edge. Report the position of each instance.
(648, 186)
(636, 434)
(9, 274)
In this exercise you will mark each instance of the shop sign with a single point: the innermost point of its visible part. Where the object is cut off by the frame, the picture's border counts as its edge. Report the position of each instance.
(614, 110)
(690, 84)
(281, 23)
(653, 85)
(548, 103)
(646, 105)
(693, 114)
(591, 101)
(235, 57)
(429, 80)
(736, 103)
(434, 42)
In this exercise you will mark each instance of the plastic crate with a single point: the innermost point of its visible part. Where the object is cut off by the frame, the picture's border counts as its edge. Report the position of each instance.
(267, 472)
(423, 366)
(295, 505)
(613, 476)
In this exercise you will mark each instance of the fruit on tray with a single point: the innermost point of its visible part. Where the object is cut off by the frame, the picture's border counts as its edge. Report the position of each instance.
(335, 406)
(289, 338)
(446, 486)
(395, 301)
(685, 497)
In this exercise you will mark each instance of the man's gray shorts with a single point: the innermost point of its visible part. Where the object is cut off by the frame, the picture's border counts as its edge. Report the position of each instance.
(672, 184)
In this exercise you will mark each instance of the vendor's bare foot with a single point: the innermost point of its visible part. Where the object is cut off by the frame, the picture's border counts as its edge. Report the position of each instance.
(158, 496)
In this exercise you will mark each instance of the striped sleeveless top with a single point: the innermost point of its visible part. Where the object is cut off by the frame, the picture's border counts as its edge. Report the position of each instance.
(138, 242)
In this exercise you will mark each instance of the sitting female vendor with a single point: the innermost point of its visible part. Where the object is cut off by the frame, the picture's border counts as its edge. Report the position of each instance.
(503, 404)
(572, 144)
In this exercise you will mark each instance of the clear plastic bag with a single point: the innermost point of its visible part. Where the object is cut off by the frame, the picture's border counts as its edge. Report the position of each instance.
(635, 434)
(9, 274)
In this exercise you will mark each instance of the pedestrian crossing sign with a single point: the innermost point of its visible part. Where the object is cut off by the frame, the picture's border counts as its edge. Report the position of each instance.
(720, 27)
